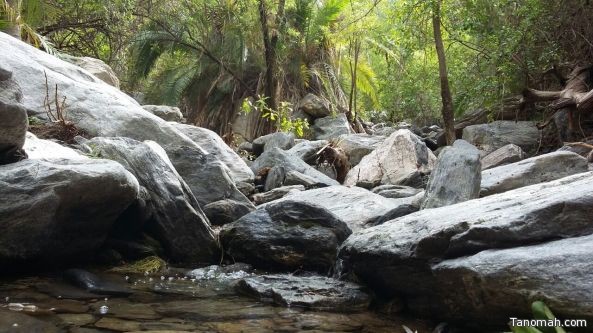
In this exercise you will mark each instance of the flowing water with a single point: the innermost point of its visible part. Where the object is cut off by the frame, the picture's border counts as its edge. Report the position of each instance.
(169, 304)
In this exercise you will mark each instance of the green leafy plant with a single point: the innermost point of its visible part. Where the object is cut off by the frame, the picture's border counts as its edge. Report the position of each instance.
(281, 116)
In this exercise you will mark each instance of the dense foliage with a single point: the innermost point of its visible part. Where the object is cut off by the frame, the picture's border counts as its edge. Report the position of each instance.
(372, 58)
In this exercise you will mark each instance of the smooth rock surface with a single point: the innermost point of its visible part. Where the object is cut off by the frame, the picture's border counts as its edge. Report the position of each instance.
(208, 178)
(96, 107)
(456, 176)
(174, 215)
(497, 134)
(357, 146)
(495, 285)
(397, 159)
(227, 211)
(286, 235)
(535, 170)
(45, 149)
(314, 106)
(165, 112)
(404, 248)
(331, 127)
(213, 144)
(311, 292)
(354, 205)
(504, 155)
(55, 211)
(277, 157)
(96, 67)
(265, 143)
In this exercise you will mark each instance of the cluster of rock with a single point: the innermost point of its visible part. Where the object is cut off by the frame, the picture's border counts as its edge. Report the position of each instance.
(477, 233)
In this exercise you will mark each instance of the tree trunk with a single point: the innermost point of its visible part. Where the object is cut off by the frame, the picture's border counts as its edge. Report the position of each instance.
(447, 110)
(270, 57)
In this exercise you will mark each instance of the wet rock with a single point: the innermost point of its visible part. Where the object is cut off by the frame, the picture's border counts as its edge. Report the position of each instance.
(306, 150)
(456, 176)
(286, 235)
(535, 170)
(123, 309)
(315, 106)
(404, 248)
(396, 191)
(208, 178)
(230, 272)
(55, 211)
(213, 144)
(45, 149)
(14, 322)
(357, 146)
(227, 211)
(353, 205)
(497, 134)
(118, 325)
(93, 284)
(96, 67)
(280, 158)
(165, 112)
(311, 292)
(276, 194)
(174, 214)
(494, 285)
(398, 159)
(76, 319)
(265, 143)
(504, 155)
(331, 127)
(13, 129)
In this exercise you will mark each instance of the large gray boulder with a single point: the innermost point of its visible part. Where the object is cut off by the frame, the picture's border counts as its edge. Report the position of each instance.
(495, 285)
(226, 211)
(535, 170)
(213, 144)
(96, 67)
(395, 257)
(331, 127)
(504, 155)
(59, 210)
(277, 157)
(354, 205)
(103, 110)
(492, 136)
(165, 112)
(357, 146)
(208, 178)
(280, 140)
(397, 159)
(456, 176)
(310, 292)
(286, 235)
(174, 215)
(314, 106)
(13, 128)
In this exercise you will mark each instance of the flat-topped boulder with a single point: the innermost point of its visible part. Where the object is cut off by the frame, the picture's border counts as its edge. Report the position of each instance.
(357, 146)
(535, 170)
(492, 136)
(354, 205)
(504, 155)
(395, 257)
(331, 127)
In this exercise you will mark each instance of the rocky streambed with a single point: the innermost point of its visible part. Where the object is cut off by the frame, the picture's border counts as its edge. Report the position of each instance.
(212, 299)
